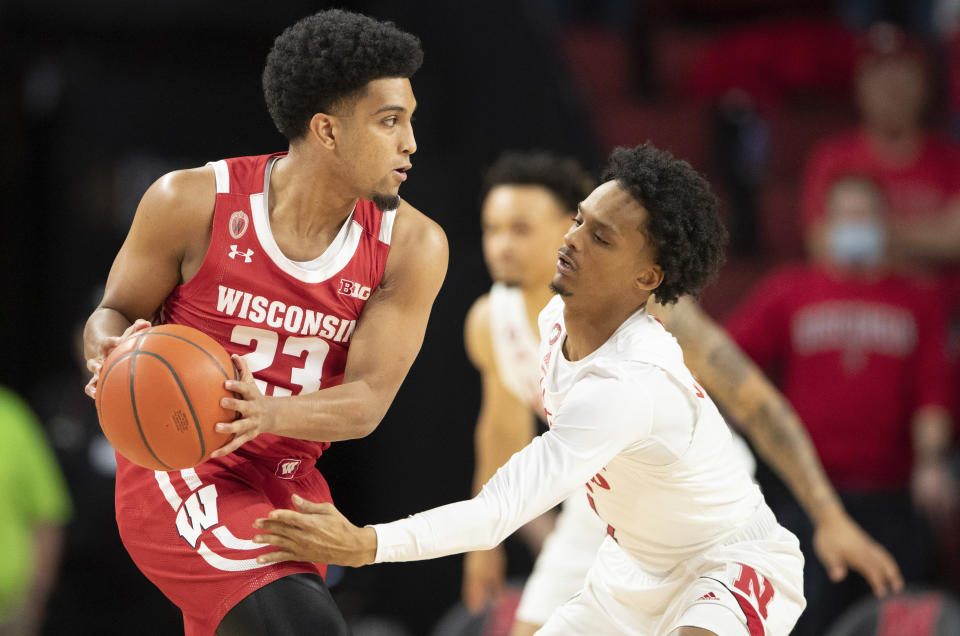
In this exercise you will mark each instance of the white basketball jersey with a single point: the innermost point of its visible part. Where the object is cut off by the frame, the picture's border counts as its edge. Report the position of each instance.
(514, 345)
(680, 487)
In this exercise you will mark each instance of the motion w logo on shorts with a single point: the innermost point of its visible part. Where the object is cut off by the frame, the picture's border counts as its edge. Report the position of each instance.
(287, 468)
(198, 513)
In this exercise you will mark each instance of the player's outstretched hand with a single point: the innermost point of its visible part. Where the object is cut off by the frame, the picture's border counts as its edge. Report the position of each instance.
(95, 363)
(841, 544)
(252, 407)
(483, 574)
(316, 533)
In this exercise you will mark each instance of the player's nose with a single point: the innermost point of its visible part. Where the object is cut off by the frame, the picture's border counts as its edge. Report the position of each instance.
(408, 145)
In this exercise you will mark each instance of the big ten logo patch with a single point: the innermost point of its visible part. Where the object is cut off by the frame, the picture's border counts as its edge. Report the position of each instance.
(354, 290)
(180, 420)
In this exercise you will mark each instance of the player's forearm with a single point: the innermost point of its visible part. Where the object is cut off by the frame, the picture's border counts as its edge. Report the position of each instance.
(102, 324)
(463, 526)
(780, 439)
(760, 410)
(348, 411)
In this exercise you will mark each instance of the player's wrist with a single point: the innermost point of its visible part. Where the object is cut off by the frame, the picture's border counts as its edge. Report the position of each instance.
(828, 512)
(366, 546)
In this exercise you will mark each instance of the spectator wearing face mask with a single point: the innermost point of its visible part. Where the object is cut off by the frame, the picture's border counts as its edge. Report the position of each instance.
(859, 351)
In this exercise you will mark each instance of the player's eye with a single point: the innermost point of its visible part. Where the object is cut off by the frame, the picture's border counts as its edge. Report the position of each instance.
(577, 220)
(597, 238)
(391, 121)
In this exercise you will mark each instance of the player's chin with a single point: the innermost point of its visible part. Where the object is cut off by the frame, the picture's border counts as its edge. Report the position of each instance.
(386, 200)
(560, 286)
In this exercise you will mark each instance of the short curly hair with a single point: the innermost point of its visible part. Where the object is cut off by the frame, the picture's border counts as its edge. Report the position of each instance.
(683, 223)
(325, 61)
(563, 177)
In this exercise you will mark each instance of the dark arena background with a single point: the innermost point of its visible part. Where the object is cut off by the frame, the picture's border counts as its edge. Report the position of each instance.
(99, 99)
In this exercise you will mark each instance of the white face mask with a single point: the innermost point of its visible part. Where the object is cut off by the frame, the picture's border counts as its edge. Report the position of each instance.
(858, 243)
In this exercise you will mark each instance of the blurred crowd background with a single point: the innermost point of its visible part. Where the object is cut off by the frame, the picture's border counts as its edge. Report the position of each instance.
(828, 128)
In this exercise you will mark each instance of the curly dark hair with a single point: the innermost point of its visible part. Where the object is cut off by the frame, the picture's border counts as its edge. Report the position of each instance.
(325, 61)
(562, 177)
(683, 224)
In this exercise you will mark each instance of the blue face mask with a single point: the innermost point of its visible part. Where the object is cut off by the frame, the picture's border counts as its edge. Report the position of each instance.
(857, 243)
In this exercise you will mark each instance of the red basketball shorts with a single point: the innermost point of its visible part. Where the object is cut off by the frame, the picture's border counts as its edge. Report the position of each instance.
(190, 531)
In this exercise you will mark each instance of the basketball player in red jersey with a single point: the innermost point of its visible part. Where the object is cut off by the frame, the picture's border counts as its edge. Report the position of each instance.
(299, 264)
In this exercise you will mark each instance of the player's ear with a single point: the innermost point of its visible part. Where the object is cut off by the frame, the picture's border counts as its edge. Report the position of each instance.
(649, 278)
(323, 128)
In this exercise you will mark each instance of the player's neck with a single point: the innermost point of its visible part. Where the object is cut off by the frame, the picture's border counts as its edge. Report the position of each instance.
(589, 327)
(305, 198)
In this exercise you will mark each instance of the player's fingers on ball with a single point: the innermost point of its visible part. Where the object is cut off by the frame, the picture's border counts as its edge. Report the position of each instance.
(233, 404)
(242, 367)
(228, 448)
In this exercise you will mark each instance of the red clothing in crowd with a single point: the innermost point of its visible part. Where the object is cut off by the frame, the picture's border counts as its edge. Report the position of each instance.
(856, 358)
(915, 189)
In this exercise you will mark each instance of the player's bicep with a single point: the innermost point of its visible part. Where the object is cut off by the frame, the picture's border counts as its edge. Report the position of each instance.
(392, 326)
(173, 211)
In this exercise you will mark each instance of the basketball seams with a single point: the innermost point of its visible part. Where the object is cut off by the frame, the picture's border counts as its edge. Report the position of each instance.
(133, 400)
(144, 398)
(207, 353)
(183, 391)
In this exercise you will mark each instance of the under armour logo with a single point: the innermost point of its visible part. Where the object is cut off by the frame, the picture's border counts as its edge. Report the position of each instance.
(234, 253)
(287, 468)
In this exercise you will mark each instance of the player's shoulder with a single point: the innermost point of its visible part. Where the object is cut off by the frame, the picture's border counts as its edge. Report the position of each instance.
(413, 230)
(185, 196)
(476, 333)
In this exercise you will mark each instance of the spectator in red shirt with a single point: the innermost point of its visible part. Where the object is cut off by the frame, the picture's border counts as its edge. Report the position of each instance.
(917, 170)
(859, 351)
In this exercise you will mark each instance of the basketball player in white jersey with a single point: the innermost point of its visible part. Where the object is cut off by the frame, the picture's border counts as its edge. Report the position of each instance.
(529, 200)
(691, 548)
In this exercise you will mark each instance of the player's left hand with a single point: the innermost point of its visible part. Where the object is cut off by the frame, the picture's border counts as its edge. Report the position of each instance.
(252, 407)
(841, 544)
(316, 533)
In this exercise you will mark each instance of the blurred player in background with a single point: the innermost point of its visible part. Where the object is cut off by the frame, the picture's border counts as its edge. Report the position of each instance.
(289, 260)
(528, 203)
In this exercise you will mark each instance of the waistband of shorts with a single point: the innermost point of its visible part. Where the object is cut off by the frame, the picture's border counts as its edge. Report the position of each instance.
(758, 525)
(282, 467)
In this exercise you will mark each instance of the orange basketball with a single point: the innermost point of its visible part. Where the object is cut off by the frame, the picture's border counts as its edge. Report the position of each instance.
(158, 397)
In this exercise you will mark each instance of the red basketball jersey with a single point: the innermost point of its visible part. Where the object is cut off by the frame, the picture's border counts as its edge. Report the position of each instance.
(291, 321)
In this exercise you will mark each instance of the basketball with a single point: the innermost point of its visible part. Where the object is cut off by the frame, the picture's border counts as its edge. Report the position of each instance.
(158, 397)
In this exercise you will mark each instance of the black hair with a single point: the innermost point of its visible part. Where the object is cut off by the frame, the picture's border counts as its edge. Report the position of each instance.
(683, 224)
(326, 60)
(562, 177)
